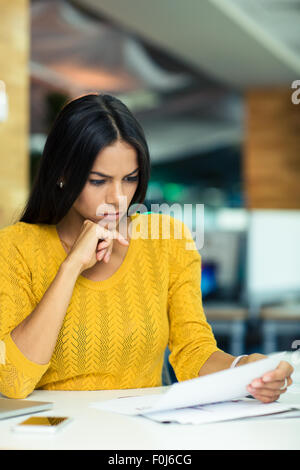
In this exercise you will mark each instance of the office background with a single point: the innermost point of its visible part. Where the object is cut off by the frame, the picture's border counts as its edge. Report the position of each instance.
(214, 85)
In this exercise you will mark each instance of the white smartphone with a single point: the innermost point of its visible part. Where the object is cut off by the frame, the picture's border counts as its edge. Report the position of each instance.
(47, 424)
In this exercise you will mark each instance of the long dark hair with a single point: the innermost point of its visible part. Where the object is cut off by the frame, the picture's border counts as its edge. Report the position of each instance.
(83, 127)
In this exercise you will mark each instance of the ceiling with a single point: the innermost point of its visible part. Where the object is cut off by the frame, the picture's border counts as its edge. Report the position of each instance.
(181, 67)
(241, 43)
(181, 110)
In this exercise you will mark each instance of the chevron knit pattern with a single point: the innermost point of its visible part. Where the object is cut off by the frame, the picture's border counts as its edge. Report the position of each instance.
(115, 331)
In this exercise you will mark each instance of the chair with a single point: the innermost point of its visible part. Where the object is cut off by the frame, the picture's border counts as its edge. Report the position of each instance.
(168, 376)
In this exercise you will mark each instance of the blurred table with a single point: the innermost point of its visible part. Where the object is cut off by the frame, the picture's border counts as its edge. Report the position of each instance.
(228, 319)
(278, 320)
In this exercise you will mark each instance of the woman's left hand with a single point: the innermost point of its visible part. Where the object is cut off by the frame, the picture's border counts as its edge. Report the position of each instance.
(268, 387)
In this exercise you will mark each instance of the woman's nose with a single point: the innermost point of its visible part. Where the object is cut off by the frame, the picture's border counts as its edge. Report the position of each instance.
(115, 193)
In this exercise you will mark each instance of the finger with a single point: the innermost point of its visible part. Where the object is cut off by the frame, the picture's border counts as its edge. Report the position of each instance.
(106, 257)
(120, 238)
(270, 391)
(103, 244)
(101, 249)
(101, 254)
(264, 395)
(264, 399)
(110, 234)
(108, 253)
(275, 385)
(283, 370)
(103, 233)
(284, 383)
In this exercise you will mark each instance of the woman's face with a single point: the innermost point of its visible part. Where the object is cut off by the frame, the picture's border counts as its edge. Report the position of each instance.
(111, 193)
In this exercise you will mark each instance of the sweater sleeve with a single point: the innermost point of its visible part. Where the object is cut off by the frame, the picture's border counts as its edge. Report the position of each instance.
(18, 374)
(191, 340)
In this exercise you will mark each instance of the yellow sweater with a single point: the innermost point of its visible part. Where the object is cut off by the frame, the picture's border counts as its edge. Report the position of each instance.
(115, 331)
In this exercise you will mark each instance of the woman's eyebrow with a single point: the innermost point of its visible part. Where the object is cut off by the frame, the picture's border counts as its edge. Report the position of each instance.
(107, 176)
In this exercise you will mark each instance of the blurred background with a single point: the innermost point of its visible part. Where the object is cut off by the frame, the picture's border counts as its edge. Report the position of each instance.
(214, 85)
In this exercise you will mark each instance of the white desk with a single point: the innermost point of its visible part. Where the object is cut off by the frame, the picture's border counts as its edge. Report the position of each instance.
(95, 429)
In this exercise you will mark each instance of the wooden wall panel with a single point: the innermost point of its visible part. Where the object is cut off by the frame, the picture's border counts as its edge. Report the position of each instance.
(272, 150)
(14, 133)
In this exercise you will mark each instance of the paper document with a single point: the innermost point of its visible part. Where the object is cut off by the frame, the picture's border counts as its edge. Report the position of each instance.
(223, 411)
(229, 384)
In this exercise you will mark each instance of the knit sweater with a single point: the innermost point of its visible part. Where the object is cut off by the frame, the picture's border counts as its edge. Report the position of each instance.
(115, 331)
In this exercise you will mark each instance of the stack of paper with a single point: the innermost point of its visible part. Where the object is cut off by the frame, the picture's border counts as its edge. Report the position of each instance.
(223, 411)
(214, 397)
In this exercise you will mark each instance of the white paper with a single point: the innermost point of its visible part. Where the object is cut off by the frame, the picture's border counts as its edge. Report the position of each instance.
(229, 384)
(223, 411)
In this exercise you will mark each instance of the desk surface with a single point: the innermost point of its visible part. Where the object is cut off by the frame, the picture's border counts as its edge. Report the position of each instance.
(95, 429)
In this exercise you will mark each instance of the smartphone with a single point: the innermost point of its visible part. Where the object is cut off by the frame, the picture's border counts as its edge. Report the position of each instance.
(47, 424)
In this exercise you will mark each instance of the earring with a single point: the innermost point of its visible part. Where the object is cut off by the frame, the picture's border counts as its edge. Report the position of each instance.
(60, 184)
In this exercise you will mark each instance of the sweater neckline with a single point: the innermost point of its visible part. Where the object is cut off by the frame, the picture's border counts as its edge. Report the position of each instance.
(106, 283)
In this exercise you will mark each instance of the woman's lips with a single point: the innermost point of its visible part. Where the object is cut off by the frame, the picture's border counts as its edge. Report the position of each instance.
(110, 216)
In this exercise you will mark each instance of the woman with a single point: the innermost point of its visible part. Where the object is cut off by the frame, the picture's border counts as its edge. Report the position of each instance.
(89, 301)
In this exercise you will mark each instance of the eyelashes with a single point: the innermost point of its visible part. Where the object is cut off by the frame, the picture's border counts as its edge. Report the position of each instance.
(101, 182)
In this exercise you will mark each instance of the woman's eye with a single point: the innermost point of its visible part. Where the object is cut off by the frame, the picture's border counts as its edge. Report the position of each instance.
(99, 182)
(132, 178)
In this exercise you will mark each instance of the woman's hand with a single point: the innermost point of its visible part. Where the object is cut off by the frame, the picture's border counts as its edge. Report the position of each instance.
(93, 242)
(268, 387)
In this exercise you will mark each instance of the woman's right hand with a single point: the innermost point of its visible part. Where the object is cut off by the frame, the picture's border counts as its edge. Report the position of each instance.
(92, 243)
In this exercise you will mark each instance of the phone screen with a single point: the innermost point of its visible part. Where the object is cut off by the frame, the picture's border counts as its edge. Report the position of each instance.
(48, 421)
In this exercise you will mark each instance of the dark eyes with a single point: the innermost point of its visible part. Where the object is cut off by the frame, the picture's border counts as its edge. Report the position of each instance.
(130, 179)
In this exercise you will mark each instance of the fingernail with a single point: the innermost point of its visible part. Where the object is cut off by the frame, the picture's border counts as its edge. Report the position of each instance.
(267, 378)
(256, 383)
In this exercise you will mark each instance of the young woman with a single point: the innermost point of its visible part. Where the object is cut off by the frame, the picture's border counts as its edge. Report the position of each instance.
(89, 301)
